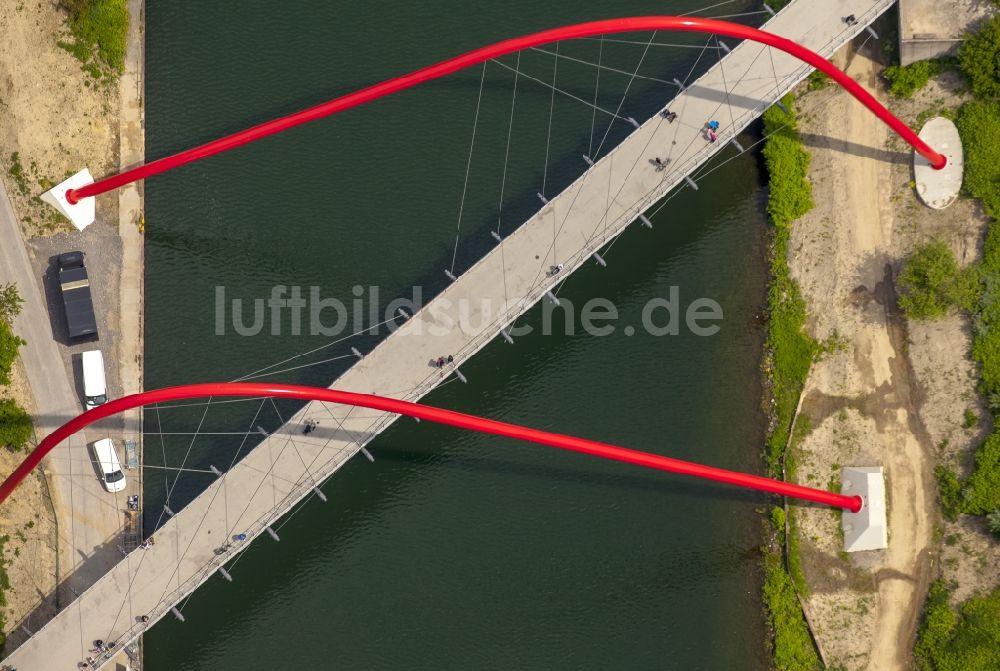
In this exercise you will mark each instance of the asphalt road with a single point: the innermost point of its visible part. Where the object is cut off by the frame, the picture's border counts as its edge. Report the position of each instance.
(90, 518)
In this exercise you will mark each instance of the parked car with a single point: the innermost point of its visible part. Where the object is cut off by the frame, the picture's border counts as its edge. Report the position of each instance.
(95, 388)
(108, 465)
(75, 286)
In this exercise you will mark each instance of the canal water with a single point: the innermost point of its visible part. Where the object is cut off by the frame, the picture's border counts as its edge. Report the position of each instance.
(453, 550)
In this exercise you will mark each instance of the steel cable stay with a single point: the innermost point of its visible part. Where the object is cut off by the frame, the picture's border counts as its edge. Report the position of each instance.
(703, 171)
(552, 106)
(468, 166)
(647, 43)
(540, 277)
(221, 487)
(599, 66)
(595, 108)
(67, 197)
(405, 408)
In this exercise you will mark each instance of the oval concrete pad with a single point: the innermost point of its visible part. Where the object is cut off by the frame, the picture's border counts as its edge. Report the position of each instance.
(939, 188)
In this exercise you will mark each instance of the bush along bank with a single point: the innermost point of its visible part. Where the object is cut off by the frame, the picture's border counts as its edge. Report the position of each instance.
(789, 355)
(970, 638)
(931, 282)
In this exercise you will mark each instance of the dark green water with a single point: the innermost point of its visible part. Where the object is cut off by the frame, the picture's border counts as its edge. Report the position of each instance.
(452, 550)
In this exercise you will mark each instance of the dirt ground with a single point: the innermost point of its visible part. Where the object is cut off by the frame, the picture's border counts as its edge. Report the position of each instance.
(55, 117)
(887, 397)
(939, 350)
(28, 522)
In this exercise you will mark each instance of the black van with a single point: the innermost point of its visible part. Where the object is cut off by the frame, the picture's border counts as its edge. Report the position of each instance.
(76, 295)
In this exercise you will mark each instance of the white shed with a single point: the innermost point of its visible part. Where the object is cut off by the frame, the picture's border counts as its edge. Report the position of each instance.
(867, 529)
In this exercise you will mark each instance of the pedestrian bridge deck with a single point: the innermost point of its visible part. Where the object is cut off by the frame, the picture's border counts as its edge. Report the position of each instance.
(284, 468)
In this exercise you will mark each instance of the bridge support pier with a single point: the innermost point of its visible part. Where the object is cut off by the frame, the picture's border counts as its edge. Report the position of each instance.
(82, 213)
(939, 188)
(866, 529)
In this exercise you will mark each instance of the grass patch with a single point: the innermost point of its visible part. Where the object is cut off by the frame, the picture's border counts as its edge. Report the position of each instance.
(981, 493)
(9, 344)
(794, 562)
(905, 80)
(979, 125)
(793, 648)
(949, 491)
(993, 522)
(100, 33)
(790, 353)
(15, 425)
(16, 171)
(79, 50)
(931, 283)
(4, 586)
(818, 80)
(969, 639)
(790, 350)
(979, 58)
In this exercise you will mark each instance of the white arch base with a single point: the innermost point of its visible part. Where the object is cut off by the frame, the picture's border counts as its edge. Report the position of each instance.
(939, 188)
(83, 213)
(866, 529)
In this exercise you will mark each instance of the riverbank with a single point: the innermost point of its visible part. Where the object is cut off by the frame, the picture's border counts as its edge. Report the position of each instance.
(71, 96)
(886, 392)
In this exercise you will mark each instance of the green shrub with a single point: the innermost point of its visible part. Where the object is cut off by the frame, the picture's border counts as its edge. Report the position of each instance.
(101, 25)
(950, 491)
(959, 642)
(792, 350)
(778, 520)
(9, 344)
(10, 302)
(969, 419)
(789, 192)
(979, 58)
(905, 80)
(979, 124)
(981, 493)
(15, 425)
(818, 80)
(79, 50)
(936, 627)
(931, 282)
(986, 323)
(794, 560)
(993, 522)
(793, 647)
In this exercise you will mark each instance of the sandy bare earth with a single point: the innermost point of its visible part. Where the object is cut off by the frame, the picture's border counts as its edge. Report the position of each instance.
(27, 521)
(56, 117)
(862, 401)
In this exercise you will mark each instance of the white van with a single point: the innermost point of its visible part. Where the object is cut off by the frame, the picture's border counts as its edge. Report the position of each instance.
(95, 389)
(108, 465)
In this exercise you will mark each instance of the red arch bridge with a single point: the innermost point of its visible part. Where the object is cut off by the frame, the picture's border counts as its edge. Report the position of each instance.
(431, 414)
(155, 581)
(74, 196)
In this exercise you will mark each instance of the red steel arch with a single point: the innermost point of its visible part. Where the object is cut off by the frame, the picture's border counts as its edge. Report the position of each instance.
(432, 414)
(589, 29)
